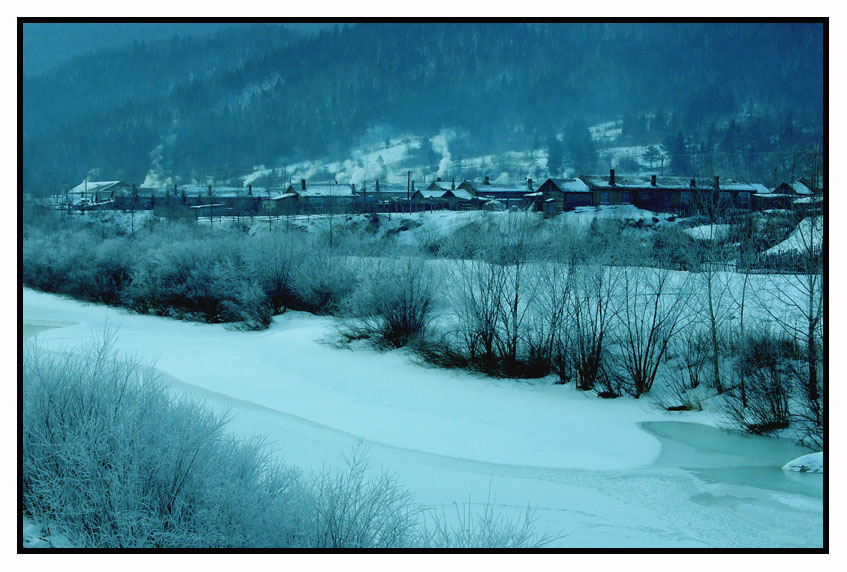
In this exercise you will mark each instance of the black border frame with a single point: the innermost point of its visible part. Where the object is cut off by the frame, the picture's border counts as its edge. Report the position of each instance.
(811, 20)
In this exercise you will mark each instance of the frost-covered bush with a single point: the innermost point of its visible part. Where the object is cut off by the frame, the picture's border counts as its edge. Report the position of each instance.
(349, 509)
(483, 528)
(113, 266)
(111, 460)
(53, 261)
(272, 259)
(322, 282)
(393, 305)
(199, 279)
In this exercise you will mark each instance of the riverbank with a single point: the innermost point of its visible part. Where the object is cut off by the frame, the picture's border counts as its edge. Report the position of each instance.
(593, 473)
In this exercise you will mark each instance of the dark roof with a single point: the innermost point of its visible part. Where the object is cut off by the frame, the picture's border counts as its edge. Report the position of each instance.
(569, 185)
(681, 183)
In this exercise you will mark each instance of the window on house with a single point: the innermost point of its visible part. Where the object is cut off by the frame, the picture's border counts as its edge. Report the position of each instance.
(744, 196)
(685, 196)
(725, 196)
(644, 195)
(604, 197)
(625, 197)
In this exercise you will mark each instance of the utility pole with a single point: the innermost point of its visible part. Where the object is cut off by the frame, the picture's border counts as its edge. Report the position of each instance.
(270, 224)
(408, 187)
(210, 205)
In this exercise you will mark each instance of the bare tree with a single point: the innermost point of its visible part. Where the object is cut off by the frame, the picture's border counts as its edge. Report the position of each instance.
(795, 302)
(654, 306)
(715, 287)
(478, 290)
(592, 306)
(513, 254)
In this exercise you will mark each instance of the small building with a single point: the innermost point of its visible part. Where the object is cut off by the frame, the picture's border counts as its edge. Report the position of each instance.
(281, 204)
(563, 195)
(510, 195)
(323, 197)
(89, 193)
(801, 187)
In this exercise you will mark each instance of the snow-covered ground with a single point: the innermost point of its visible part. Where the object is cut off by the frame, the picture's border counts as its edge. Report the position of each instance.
(812, 463)
(808, 234)
(601, 473)
(709, 232)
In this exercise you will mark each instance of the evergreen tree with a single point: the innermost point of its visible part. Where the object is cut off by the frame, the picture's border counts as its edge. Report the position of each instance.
(555, 155)
(580, 147)
(678, 154)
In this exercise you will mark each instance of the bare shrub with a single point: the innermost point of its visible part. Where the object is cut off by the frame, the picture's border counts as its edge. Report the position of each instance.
(591, 310)
(349, 510)
(762, 404)
(690, 349)
(481, 529)
(653, 309)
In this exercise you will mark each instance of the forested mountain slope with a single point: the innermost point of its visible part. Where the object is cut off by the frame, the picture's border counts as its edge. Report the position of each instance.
(260, 95)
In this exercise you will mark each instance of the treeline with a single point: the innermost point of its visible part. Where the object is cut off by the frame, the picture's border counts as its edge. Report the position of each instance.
(510, 86)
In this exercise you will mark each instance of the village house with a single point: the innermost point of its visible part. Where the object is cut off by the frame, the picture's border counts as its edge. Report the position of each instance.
(91, 193)
(669, 194)
(555, 196)
(382, 196)
(506, 194)
(322, 197)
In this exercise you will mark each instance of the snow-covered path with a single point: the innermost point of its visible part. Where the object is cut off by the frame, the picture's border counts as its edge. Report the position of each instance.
(601, 473)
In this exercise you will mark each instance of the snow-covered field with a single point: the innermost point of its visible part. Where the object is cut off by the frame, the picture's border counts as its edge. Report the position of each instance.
(714, 232)
(600, 473)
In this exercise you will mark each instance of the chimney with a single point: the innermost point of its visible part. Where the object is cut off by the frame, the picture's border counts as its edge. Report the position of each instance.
(210, 190)
(529, 184)
(693, 183)
(485, 182)
(717, 182)
(653, 180)
(250, 190)
(611, 177)
(302, 184)
(353, 187)
(377, 185)
(453, 185)
(175, 191)
(438, 179)
(413, 186)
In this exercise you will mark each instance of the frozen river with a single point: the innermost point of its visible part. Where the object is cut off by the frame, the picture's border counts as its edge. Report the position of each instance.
(598, 473)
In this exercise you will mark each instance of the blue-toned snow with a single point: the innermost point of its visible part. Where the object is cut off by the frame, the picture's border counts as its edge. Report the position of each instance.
(600, 473)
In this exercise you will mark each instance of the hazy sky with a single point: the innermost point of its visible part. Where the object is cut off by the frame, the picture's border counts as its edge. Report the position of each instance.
(48, 45)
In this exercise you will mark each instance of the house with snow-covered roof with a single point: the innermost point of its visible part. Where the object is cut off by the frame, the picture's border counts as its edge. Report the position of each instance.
(94, 192)
(555, 196)
(665, 194)
(323, 196)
